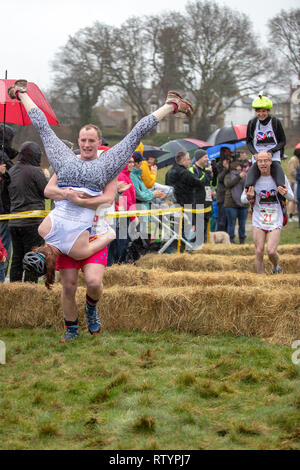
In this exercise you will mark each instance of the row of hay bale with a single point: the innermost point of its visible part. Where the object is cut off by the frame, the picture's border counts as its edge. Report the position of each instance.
(243, 250)
(263, 310)
(129, 275)
(203, 293)
(290, 264)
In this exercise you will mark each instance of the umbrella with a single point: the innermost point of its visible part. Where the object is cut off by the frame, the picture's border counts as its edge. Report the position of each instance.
(214, 152)
(152, 151)
(201, 143)
(228, 134)
(175, 146)
(186, 145)
(13, 111)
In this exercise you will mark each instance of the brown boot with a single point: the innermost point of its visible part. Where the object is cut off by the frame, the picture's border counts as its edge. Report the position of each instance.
(20, 86)
(182, 106)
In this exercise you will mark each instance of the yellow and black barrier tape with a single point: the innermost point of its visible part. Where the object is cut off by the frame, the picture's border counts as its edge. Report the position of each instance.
(136, 213)
(24, 215)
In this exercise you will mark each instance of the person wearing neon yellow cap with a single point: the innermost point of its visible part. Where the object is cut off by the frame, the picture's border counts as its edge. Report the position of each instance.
(265, 133)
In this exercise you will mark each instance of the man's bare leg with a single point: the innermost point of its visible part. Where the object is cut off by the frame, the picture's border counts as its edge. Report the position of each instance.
(69, 280)
(93, 274)
(273, 239)
(259, 238)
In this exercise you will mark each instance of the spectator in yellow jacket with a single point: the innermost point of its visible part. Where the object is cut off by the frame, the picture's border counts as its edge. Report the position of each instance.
(149, 172)
(149, 175)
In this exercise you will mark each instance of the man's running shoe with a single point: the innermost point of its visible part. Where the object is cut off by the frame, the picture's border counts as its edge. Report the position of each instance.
(276, 269)
(71, 333)
(94, 324)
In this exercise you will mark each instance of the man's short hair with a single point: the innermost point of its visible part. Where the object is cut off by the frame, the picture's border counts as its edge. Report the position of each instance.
(180, 156)
(88, 127)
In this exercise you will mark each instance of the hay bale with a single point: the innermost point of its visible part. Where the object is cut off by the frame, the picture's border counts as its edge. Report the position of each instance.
(31, 305)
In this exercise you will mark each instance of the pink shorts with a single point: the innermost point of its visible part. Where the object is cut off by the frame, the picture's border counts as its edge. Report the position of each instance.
(65, 262)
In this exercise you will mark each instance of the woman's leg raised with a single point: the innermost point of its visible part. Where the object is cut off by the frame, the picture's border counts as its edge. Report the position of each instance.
(57, 152)
(83, 248)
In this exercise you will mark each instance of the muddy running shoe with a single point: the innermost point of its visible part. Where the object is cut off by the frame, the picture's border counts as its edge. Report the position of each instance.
(182, 105)
(94, 324)
(20, 86)
(71, 333)
(276, 269)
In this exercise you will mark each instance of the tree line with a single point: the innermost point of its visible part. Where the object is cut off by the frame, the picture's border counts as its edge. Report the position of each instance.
(211, 52)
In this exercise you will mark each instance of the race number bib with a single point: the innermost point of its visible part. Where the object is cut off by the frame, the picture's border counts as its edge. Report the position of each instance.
(268, 216)
(208, 194)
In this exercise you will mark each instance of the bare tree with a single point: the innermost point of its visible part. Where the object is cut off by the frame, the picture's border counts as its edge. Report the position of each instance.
(81, 72)
(129, 68)
(223, 56)
(285, 38)
(167, 43)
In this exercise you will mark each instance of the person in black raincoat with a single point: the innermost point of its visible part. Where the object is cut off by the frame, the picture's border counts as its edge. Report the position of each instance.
(26, 191)
(7, 153)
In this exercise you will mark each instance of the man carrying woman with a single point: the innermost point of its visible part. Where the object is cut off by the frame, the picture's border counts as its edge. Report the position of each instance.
(75, 174)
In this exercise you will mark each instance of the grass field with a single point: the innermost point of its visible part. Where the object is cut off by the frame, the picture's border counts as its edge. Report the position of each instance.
(147, 391)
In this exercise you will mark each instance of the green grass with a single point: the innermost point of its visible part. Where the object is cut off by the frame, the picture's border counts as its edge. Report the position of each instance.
(132, 390)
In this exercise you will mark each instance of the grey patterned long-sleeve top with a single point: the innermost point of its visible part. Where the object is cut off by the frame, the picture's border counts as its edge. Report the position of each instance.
(93, 174)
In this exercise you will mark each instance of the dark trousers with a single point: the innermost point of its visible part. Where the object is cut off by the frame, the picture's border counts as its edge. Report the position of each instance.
(233, 214)
(6, 241)
(23, 240)
(117, 249)
(206, 222)
(222, 220)
(276, 172)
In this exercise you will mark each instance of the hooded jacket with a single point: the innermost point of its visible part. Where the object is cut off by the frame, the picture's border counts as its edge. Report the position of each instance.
(127, 200)
(148, 176)
(142, 193)
(27, 184)
(7, 153)
(234, 182)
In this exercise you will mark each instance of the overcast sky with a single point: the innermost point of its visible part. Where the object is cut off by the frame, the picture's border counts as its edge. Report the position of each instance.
(32, 31)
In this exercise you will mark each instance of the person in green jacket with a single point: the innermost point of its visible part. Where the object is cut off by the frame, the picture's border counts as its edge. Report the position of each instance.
(144, 196)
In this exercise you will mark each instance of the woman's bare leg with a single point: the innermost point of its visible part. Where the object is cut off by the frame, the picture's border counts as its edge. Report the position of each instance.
(83, 248)
(45, 227)
(163, 111)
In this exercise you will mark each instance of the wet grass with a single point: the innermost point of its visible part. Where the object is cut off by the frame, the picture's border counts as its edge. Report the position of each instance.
(147, 391)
